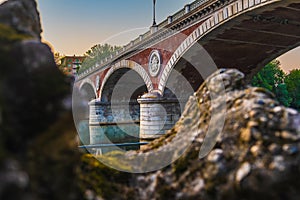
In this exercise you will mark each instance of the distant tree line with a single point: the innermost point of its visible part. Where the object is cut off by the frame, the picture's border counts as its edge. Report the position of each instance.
(96, 54)
(285, 86)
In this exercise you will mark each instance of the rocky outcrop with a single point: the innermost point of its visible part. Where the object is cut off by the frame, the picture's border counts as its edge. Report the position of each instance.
(256, 156)
(32, 87)
(31, 93)
(22, 16)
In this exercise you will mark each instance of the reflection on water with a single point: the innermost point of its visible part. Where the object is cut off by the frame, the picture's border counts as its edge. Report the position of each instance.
(108, 134)
(84, 132)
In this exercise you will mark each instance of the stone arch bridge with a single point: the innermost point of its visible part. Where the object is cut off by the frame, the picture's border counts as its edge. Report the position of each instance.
(242, 34)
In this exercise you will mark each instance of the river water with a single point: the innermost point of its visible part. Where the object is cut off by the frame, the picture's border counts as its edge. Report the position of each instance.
(107, 134)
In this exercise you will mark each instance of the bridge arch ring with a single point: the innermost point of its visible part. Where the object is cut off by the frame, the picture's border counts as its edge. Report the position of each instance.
(203, 29)
(131, 65)
(89, 82)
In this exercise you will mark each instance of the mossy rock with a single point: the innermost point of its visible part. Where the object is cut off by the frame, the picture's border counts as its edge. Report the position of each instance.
(9, 35)
(105, 181)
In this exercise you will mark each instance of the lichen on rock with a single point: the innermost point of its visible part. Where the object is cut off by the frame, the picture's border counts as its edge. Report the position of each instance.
(22, 16)
(256, 155)
(31, 93)
(257, 150)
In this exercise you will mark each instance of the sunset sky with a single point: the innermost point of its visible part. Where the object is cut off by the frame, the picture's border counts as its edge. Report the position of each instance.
(74, 26)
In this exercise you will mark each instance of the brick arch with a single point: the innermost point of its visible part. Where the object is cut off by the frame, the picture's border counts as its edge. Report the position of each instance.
(215, 20)
(131, 65)
(89, 82)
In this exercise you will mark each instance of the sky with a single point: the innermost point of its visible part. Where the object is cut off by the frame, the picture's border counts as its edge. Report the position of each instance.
(74, 26)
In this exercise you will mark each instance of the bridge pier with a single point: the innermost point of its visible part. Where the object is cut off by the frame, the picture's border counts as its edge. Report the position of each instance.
(96, 118)
(118, 122)
(113, 123)
(157, 115)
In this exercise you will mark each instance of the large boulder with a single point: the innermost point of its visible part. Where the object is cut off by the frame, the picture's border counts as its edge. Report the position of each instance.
(32, 88)
(22, 16)
(255, 156)
(32, 91)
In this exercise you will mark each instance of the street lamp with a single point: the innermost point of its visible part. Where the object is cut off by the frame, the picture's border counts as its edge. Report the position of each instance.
(154, 22)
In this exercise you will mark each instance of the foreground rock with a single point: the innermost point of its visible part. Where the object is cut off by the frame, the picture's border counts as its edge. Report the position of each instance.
(22, 16)
(256, 155)
(36, 152)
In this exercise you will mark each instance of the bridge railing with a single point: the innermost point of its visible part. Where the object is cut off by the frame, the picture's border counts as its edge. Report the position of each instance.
(163, 24)
(197, 3)
(143, 38)
(178, 15)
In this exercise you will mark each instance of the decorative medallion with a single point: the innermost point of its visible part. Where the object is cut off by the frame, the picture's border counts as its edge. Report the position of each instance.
(154, 63)
(97, 83)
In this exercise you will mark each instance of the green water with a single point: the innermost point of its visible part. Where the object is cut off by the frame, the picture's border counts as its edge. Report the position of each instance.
(109, 134)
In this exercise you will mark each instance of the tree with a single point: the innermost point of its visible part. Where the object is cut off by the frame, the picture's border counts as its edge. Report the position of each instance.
(96, 54)
(57, 59)
(272, 77)
(292, 81)
(282, 94)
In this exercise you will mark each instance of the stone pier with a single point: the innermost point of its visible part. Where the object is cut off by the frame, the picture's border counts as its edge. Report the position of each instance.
(113, 122)
(157, 114)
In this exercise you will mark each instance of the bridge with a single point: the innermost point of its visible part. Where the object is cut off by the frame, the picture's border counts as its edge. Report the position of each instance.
(148, 74)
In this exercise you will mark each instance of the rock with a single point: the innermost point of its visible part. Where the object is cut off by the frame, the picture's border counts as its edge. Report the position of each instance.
(292, 111)
(22, 16)
(290, 136)
(290, 149)
(256, 156)
(13, 178)
(215, 155)
(274, 149)
(255, 150)
(243, 171)
(32, 90)
(277, 109)
(245, 134)
(278, 163)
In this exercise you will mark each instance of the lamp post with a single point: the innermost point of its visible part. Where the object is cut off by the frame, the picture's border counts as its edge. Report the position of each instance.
(154, 22)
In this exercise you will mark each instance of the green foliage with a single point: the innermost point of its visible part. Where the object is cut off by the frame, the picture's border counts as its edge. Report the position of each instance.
(269, 77)
(293, 86)
(96, 54)
(286, 87)
(282, 94)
